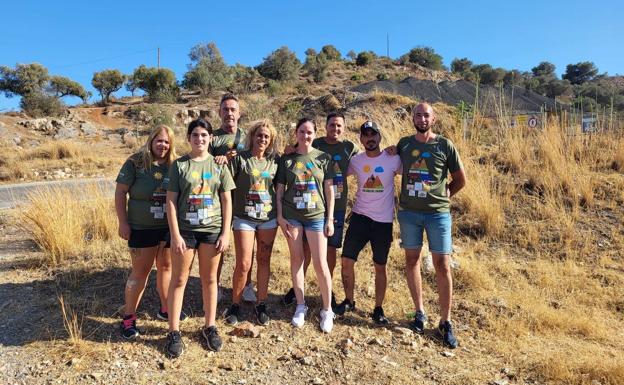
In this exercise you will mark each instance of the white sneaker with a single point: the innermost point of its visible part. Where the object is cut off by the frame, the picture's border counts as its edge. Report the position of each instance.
(327, 320)
(299, 318)
(219, 294)
(249, 294)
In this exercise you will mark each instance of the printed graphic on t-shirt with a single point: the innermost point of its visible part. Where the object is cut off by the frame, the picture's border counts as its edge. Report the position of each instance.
(200, 201)
(258, 200)
(338, 178)
(418, 176)
(373, 183)
(159, 196)
(306, 190)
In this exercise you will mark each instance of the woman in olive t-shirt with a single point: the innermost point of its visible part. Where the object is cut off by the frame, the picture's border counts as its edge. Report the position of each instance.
(254, 172)
(305, 203)
(144, 178)
(200, 212)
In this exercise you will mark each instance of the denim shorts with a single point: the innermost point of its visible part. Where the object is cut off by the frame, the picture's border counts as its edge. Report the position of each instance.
(315, 225)
(336, 239)
(243, 224)
(437, 226)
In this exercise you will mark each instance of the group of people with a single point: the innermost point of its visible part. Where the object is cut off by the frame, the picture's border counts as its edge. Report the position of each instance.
(172, 208)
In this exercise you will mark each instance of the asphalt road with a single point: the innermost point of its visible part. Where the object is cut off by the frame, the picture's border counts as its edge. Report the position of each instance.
(12, 195)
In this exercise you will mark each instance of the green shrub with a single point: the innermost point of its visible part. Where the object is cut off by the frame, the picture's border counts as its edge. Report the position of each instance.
(208, 71)
(274, 88)
(424, 56)
(357, 77)
(383, 76)
(107, 82)
(281, 65)
(159, 84)
(364, 58)
(39, 104)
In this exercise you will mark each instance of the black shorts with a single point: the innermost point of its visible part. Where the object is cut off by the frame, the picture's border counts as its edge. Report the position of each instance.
(362, 230)
(146, 238)
(192, 239)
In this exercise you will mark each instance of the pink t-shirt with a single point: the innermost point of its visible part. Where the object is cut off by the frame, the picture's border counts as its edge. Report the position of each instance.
(374, 197)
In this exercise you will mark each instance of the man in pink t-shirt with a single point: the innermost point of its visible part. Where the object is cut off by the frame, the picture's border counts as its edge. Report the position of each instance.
(372, 216)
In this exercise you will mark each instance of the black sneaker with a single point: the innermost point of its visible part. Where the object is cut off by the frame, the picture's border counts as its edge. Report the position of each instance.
(128, 327)
(289, 297)
(418, 324)
(232, 314)
(213, 341)
(344, 307)
(261, 314)
(164, 316)
(446, 331)
(175, 345)
(379, 317)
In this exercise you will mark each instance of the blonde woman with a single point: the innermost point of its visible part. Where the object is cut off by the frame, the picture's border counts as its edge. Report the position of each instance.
(200, 214)
(254, 172)
(140, 205)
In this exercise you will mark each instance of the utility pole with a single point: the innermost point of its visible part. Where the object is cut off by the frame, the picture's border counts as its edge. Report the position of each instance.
(388, 45)
(158, 57)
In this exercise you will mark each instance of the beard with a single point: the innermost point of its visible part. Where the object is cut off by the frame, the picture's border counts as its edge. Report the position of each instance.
(422, 130)
(372, 146)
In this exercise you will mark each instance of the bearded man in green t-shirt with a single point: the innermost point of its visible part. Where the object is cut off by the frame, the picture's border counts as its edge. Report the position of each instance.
(427, 159)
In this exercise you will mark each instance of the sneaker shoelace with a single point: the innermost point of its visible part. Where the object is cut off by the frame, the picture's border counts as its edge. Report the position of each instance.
(129, 323)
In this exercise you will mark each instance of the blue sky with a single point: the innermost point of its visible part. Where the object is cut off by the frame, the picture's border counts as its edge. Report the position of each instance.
(76, 39)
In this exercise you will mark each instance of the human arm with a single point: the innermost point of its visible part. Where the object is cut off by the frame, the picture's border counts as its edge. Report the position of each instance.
(223, 242)
(457, 183)
(328, 191)
(281, 221)
(177, 242)
(121, 193)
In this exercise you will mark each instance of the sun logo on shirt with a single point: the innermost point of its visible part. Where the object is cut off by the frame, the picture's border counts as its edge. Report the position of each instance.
(255, 172)
(299, 165)
(195, 175)
(158, 175)
(366, 168)
(415, 153)
(230, 144)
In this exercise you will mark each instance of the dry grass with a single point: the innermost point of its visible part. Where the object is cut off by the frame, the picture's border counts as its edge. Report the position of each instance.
(65, 227)
(541, 278)
(73, 327)
(54, 150)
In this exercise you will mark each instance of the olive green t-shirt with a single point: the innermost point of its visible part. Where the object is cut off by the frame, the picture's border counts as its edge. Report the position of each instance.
(425, 173)
(224, 141)
(303, 177)
(198, 184)
(254, 196)
(341, 153)
(148, 192)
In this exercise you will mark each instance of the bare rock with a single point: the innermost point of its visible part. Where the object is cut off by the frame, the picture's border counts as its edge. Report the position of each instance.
(66, 133)
(307, 361)
(245, 329)
(346, 344)
(317, 381)
(402, 331)
(89, 129)
(376, 341)
(447, 354)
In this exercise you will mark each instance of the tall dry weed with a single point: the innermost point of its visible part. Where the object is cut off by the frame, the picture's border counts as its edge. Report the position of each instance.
(65, 224)
(73, 327)
(54, 151)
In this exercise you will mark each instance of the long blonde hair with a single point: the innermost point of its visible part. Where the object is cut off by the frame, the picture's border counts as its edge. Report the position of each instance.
(271, 150)
(144, 159)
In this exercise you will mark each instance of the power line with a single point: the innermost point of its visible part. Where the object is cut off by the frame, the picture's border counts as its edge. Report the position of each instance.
(103, 59)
